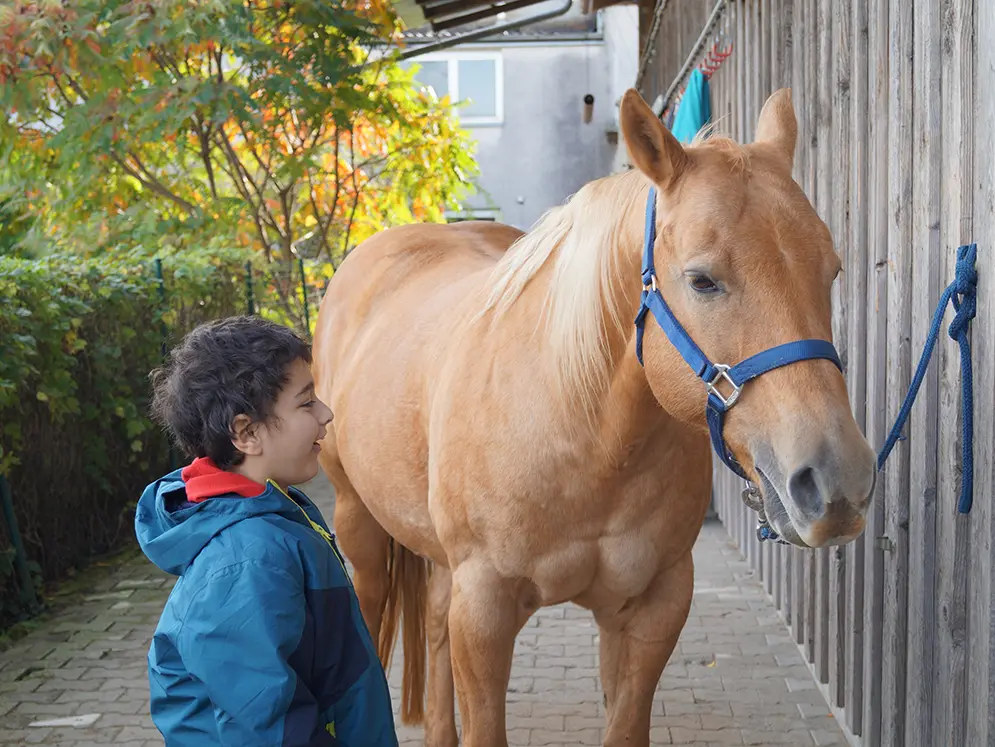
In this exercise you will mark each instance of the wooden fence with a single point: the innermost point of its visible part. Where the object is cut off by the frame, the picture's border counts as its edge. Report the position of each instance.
(896, 149)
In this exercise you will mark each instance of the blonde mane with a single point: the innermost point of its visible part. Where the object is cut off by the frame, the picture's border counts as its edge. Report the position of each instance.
(581, 310)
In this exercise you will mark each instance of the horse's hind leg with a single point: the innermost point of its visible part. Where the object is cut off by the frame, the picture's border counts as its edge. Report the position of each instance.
(636, 645)
(364, 543)
(440, 725)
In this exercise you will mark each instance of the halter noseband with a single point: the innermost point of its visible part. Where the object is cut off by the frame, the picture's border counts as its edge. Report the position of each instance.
(714, 373)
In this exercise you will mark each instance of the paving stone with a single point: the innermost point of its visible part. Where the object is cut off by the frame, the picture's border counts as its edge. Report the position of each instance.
(828, 738)
(680, 735)
(777, 738)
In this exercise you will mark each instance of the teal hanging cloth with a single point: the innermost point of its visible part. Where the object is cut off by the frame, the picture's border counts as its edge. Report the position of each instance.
(695, 110)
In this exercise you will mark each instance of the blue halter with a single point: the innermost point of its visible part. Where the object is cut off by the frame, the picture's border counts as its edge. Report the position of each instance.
(714, 373)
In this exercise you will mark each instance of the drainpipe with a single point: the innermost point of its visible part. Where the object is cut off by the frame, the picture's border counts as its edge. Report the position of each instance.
(485, 33)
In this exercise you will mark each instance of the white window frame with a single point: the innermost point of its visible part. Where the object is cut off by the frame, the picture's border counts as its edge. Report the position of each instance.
(452, 59)
(493, 214)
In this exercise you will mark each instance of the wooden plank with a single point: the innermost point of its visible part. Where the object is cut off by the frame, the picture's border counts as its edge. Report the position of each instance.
(748, 49)
(900, 179)
(809, 111)
(768, 34)
(878, 74)
(950, 50)
(741, 69)
(785, 55)
(825, 168)
(760, 86)
(813, 74)
(775, 29)
(729, 23)
(923, 107)
(799, 569)
(750, 69)
(728, 72)
(857, 271)
(981, 669)
(770, 19)
(845, 310)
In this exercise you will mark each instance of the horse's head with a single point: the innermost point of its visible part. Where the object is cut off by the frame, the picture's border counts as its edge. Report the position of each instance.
(745, 264)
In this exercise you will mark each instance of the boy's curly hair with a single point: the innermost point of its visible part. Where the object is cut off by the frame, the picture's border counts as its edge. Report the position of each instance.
(222, 369)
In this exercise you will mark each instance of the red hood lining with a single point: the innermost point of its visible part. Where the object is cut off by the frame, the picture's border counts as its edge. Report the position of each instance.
(204, 479)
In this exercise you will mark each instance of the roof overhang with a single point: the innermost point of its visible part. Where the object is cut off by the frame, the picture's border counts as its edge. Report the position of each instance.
(445, 15)
(592, 6)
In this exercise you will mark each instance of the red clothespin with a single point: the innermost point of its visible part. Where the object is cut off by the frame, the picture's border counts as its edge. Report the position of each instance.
(715, 60)
(706, 64)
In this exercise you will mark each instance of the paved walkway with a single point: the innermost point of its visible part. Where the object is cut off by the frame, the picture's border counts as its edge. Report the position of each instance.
(736, 678)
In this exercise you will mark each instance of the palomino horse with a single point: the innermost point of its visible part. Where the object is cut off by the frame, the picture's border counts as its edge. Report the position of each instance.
(498, 446)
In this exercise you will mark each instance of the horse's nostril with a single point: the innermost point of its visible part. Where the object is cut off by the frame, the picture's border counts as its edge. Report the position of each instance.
(805, 494)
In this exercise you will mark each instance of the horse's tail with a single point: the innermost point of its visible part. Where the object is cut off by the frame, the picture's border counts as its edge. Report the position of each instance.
(407, 599)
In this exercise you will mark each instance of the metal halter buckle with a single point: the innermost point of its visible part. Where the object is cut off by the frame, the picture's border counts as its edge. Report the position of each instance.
(722, 372)
(752, 497)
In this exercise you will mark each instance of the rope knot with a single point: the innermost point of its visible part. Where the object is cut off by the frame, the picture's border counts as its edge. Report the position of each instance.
(965, 291)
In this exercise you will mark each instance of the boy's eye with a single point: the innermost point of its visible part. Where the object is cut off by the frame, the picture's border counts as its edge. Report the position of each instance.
(309, 403)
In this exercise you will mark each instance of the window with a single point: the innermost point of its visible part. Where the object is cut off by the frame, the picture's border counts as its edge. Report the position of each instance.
(472, 79)
(471, 214)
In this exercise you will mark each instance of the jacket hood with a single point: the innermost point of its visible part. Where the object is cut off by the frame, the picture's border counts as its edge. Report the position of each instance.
(173, 526)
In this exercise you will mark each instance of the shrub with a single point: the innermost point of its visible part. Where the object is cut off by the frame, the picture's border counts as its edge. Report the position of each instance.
(78, 338)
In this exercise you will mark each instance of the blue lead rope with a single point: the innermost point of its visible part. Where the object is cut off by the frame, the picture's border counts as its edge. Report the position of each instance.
(963, 291)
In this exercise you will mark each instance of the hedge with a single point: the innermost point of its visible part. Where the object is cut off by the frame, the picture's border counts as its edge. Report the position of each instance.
(78, 338)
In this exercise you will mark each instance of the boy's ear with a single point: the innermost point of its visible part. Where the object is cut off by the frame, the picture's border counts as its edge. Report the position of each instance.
(246, 438)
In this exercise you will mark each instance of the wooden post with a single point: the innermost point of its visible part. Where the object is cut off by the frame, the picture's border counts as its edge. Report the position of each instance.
(896, 571)
(853, 115)
(975, 35)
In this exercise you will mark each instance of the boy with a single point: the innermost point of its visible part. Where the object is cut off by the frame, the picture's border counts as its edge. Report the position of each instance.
(261, 641)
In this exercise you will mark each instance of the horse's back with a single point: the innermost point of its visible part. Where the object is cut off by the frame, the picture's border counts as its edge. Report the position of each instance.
(382, 333)
(404, 273)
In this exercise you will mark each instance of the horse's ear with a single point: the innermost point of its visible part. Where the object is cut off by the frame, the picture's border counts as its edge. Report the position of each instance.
(777, 126)
(652, 148)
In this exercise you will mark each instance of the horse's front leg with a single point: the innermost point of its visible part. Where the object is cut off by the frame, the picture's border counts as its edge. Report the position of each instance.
(485, 616)
(636, 645)
(440, 721)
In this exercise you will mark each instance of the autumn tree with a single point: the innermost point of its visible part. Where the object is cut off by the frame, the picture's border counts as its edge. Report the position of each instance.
(285, 127)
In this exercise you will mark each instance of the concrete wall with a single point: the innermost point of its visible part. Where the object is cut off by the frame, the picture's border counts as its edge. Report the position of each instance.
(621, 31)
(543, 151)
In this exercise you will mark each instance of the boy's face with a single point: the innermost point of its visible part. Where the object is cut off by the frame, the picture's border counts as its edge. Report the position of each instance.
(285, 449)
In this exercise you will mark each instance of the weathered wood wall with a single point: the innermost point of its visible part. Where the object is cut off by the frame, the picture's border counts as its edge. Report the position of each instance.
(896, 149)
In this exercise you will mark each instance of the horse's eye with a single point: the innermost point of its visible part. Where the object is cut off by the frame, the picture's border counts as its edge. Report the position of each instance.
(702, 284)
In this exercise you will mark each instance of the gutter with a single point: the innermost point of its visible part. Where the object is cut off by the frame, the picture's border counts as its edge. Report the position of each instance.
(486, 33)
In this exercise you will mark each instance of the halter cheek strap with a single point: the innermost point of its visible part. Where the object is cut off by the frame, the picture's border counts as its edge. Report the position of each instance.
(713, 374)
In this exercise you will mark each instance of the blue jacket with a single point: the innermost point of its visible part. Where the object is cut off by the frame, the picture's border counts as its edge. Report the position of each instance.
(261, 642)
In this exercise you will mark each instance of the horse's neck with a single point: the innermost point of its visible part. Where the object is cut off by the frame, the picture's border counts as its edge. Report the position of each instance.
(626, 413)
